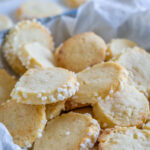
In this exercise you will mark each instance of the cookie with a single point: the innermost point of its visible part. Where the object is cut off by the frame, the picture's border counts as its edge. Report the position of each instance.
(147, 123)
(95, 147)
(71, 105)
(24, 122)
(127, 107)
(58, 48)
(24, 32)
(81, 51)
(35, 55)
(54, 110)
(118, 46)
(137, 62)
(75, 3)
(122, 138)
(84, 110)
(99, 81)
(73, 131)
(37, 9)
(5, 22)
(147, 126)
(45, 86)
(7, 83)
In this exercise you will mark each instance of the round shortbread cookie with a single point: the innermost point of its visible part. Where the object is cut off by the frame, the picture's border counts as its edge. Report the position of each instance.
(137, 62)
(74, 131)
(127, 107)
(34, 55)
(5, 22)
(54, 110)
(24, 122)
(7, 83)
(75, 3)
(99, 81)
(81, 51)
(118, 46)
(37, 9)
(24, 32)
(121, 138)
(45, 86)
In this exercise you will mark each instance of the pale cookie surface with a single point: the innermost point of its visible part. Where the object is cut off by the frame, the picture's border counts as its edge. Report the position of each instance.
(124, 139)
(84, 110)
(37, 9)
(45, 86)
(71, 105)
(81, 51)
(137, 62)
(5, 22)
(99, 81)
(24, 122)
(24, 32)
(35, 55)
(54, 110)
(118, 46)
(75, 3)
(7, 83)
(74, 131)
(127, 107)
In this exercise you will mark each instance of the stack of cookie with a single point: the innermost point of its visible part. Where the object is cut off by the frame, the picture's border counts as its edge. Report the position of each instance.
(38, 9)
(85, 95)
(44, 8)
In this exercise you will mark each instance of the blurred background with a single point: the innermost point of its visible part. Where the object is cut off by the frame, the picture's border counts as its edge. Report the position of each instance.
(27, 9)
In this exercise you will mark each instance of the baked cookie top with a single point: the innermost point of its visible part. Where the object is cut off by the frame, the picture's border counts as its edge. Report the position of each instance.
(45, 86)
(127, 107)
(72, 130)
(81, 51)
(137, 62)
(99, 81)
(24, 122)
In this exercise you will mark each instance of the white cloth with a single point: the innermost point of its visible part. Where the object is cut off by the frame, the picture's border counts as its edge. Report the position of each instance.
(108, 18)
